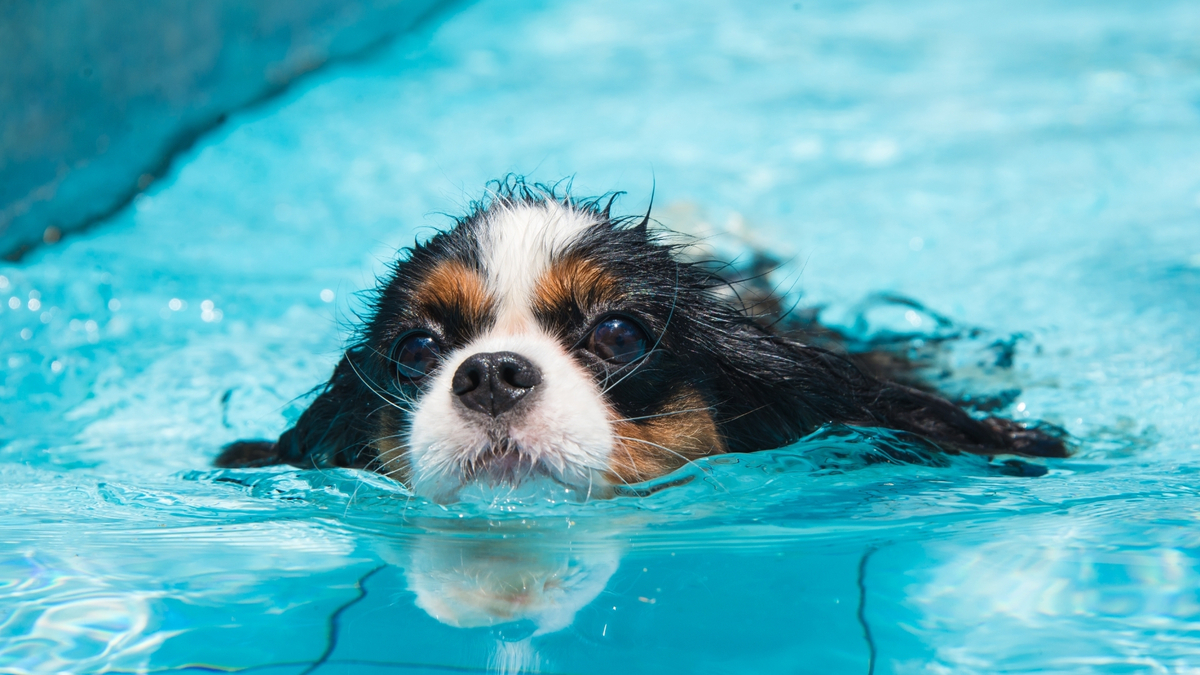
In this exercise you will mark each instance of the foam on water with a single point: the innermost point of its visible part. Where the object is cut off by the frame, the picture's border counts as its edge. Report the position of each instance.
(1026, 171)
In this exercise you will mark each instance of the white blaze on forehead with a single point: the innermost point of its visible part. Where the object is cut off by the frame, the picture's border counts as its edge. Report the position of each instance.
(518, 244)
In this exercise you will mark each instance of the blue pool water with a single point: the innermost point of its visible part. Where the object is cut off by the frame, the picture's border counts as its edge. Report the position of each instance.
(1028, 170)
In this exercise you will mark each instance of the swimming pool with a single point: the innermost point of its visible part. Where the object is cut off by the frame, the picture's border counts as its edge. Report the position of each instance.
(1027, 170)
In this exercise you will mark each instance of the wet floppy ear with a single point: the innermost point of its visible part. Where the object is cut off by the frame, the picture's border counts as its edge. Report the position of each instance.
(764, 391)
(774, 391)
(329, 433)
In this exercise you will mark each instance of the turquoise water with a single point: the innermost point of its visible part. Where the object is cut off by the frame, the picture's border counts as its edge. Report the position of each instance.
(1028, 170)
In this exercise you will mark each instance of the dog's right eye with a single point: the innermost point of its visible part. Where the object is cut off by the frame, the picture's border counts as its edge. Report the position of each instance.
(415, 355)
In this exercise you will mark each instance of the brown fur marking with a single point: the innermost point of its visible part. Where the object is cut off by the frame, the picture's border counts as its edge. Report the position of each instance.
(680, 431)
(453, 289)
(574, 282)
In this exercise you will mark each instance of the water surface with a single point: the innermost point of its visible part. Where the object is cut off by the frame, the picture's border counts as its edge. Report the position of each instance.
(1027, 171)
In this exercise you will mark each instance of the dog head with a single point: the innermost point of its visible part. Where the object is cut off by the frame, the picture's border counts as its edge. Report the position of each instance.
(542, 337)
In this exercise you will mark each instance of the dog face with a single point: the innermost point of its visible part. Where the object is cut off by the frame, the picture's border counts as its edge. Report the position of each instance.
(538, 337)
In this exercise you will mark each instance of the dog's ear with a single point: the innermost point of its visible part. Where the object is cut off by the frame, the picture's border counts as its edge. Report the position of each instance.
(773, 391)
(331, 432)
(948, 425)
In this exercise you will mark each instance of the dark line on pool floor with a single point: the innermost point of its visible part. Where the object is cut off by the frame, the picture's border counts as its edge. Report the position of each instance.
(331, 644)
(862, 609)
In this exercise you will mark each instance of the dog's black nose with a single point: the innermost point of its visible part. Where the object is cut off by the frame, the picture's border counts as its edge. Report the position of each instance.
(493, 382)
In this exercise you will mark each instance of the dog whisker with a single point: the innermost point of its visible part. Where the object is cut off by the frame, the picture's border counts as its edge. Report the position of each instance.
(665, 414)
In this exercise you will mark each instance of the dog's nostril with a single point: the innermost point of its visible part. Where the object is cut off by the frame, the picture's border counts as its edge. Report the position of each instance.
(467, 378)
(509, 375)
(518, 371)
(494, 382)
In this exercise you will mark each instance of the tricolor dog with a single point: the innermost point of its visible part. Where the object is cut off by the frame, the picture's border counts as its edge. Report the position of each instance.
(541, 336)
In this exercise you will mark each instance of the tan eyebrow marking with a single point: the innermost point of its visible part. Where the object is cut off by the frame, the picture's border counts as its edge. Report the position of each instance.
(681, 430)
(453, 289)
(574, 282)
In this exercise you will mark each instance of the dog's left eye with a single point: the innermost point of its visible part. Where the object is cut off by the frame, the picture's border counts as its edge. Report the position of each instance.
(415, 355)
(618, 340)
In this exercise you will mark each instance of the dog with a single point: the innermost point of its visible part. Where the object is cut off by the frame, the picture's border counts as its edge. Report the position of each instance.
(542, 337)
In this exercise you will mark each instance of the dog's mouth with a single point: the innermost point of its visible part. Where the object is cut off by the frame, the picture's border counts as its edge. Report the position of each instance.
(505, 471)
(503, 463)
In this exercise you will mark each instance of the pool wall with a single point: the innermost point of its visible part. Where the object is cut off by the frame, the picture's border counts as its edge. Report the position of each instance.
(96, 100)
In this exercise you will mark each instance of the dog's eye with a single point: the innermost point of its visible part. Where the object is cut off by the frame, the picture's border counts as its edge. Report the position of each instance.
(415, 355)
(618, 340)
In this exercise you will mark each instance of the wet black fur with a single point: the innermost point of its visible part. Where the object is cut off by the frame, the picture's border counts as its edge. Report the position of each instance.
(767, 388)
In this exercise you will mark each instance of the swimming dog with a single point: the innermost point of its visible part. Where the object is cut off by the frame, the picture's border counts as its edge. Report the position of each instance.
(541, 336)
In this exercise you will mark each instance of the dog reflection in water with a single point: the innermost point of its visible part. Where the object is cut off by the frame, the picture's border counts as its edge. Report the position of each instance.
(523, 586)
(477, 581)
